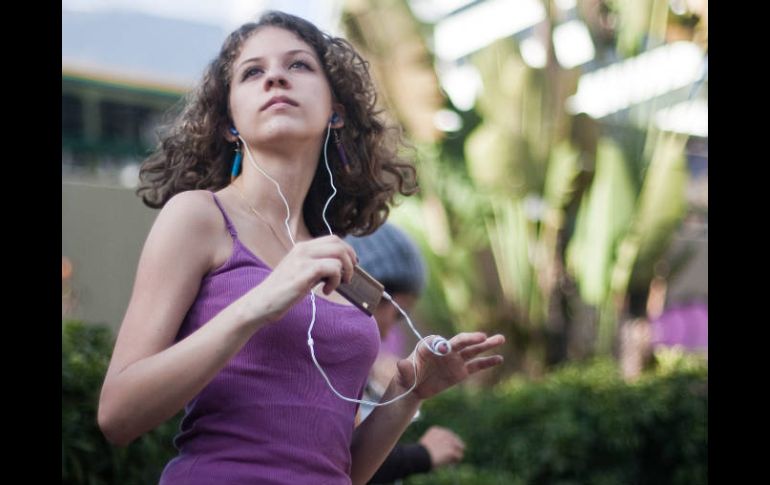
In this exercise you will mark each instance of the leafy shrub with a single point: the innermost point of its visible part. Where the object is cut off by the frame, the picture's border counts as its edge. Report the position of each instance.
(87, 458)
(581, 425)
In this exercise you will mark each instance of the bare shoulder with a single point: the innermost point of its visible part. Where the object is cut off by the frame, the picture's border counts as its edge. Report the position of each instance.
(191, 217)
(195, 207)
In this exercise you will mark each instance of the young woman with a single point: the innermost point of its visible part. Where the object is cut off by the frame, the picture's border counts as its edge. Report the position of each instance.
(239, 267)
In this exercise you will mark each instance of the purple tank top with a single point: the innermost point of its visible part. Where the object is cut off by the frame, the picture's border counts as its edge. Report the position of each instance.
(268, 417)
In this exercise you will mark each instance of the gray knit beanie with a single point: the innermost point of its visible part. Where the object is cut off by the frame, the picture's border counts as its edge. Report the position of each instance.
(391, 257)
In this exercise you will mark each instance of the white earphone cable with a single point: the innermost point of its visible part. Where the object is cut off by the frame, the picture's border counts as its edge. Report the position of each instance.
(436, 341)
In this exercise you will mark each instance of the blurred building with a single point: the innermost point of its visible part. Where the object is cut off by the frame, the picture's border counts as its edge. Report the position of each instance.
(121, 71)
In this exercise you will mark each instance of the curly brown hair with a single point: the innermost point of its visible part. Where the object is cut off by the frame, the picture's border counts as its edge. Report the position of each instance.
(194, 153)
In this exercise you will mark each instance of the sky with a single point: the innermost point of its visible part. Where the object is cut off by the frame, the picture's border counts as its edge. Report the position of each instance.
(226, 13)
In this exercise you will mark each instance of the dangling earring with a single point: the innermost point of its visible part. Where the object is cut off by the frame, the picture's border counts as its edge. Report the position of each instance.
(341, 152)
(236, 161)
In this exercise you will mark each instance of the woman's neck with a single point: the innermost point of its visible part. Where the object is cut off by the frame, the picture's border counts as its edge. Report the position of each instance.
(292, 172)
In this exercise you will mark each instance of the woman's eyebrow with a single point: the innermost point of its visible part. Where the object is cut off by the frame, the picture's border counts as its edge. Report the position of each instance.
(287, 53)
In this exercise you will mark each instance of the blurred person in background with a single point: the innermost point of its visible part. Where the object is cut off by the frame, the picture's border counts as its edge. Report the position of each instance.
(392, 258)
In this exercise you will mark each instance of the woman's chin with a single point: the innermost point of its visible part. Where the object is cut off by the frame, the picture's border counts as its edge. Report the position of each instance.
(285, 133)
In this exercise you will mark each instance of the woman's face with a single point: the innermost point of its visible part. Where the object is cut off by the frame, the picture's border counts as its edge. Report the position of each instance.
(278, 89)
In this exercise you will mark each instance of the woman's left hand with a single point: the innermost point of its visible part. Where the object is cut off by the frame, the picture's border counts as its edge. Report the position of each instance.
(436, 373)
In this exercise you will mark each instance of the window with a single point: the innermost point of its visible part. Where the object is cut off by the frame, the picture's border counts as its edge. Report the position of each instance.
(124, 123)
(71, 116)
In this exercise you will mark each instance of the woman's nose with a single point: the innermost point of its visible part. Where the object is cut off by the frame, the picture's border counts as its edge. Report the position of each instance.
(276, 78)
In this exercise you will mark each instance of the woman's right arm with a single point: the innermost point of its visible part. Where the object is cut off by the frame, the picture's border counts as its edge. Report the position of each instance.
(150, 378)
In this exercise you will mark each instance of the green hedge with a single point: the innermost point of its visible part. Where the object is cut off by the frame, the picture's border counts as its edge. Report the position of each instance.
(581, 425)
(87, 458)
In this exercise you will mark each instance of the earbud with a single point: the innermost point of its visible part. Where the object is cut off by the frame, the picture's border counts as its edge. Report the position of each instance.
(234, 131)
(335, 118)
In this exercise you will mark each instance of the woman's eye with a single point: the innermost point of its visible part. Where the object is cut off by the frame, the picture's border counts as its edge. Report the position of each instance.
(251, 72)
(300, 65)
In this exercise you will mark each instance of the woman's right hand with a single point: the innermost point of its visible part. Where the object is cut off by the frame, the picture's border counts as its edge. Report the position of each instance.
(326, 259)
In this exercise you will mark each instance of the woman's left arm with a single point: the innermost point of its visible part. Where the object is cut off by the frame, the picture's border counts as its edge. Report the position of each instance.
(376, 436)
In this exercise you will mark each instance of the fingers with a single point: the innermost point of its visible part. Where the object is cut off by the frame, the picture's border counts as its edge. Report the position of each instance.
(454, 455)
(455, 450)
(330, 246)
(473, 340)
(443, 445)
(469, 345)
(466, 339)
(323, 249)
(482, 363)
(330, 272)
(474, 350)
(448, 437)
(458, 449)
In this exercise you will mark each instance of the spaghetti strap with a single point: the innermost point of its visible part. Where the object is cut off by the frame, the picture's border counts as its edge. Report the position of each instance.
(228, 222)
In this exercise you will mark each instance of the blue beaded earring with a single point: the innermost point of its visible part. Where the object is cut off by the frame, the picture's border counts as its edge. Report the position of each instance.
(238, 156)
